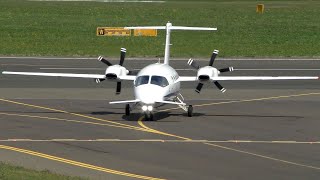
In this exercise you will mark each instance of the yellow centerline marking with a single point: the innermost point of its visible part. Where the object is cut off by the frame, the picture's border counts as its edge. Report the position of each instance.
(263, 156)
(159, 132)
(119, 125)
(161, 140)
(69, 120)
(245, 100)
(241, 151)
(76, 163)
(66, 112)
(145, 128)
(259, 99)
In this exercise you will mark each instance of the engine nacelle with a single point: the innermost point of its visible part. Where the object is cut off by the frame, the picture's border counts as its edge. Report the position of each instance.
(205, 73)
(113, 72)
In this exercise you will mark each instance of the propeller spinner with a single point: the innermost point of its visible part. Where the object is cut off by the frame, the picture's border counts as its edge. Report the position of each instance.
(196, 66)
(122, 57)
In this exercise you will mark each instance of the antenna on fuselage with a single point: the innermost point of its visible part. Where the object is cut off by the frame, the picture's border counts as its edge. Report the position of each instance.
(168, 29)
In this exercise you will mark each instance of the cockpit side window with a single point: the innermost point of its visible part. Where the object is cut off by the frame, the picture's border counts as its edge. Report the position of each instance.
(159, 80)
(141, 80)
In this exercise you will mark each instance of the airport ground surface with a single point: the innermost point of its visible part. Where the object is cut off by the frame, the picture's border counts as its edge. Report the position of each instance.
(256, 130)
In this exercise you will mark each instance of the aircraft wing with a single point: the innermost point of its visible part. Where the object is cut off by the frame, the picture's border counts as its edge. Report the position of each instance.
(245, 78)
(91, 76)
(127, 77)
(187, 78)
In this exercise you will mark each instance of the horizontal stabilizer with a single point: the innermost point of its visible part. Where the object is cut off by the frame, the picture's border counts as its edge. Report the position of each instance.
(124, 102)
(146, 27)
(192, 28)
(173, 28)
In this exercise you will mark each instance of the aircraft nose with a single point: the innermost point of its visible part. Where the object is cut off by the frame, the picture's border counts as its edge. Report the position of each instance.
(149, 94)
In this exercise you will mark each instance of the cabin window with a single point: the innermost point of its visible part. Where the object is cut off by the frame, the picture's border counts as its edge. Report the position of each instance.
(159, 80)
(141, 80)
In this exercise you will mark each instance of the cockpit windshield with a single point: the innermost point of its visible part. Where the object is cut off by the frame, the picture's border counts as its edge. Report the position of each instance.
(141, 80)
(159, 80)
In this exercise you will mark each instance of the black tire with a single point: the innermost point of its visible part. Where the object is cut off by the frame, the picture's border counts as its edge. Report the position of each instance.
(151, 117)
(127, 110)
(190, 111)
(146, 117)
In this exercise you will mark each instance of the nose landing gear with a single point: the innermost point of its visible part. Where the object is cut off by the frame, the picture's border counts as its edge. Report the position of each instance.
(148, 116)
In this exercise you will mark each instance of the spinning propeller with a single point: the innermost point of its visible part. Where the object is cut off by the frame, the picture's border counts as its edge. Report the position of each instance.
(122, 56)
(195, 65)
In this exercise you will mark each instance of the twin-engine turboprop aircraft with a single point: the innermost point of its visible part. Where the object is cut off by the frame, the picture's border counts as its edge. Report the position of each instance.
(159, 83)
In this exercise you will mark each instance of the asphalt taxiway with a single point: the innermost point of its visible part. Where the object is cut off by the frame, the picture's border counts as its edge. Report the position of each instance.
(256, 130)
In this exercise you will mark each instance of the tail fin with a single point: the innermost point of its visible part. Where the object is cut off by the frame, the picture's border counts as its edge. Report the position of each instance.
(168, 28)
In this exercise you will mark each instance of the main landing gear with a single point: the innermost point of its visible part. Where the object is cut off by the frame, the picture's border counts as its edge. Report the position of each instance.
(190, 111)
(128, 109)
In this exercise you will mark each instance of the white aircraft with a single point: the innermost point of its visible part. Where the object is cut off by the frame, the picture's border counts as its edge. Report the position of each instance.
(159, 83)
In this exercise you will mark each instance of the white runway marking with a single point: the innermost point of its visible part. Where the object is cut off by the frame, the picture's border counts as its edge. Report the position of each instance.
(48, 58)
(157, 59)
(72, 68)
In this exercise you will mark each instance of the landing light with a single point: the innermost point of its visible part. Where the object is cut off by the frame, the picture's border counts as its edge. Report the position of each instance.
(147, 108)
(144, 108)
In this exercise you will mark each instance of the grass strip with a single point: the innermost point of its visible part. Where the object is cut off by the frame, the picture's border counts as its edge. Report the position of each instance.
(41, 28)
(9, 172)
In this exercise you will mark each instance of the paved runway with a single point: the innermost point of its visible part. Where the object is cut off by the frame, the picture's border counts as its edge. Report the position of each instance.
(256, 130)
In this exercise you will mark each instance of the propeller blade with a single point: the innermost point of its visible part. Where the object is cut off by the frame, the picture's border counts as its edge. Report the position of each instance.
(122, 56)
(193, 64)
(199, 87)
(99, 80)
(222, 89)
(100, 58)
(118, 87)
(213, 57)
(229, 69)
